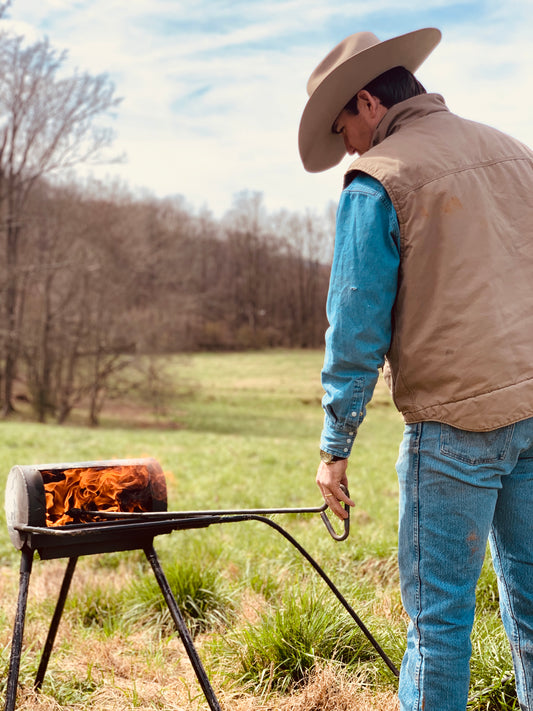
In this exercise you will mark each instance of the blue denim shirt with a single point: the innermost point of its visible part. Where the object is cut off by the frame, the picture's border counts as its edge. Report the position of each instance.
(362, 291)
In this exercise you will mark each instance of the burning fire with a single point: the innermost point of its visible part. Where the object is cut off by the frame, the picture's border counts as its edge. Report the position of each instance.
(70, 492)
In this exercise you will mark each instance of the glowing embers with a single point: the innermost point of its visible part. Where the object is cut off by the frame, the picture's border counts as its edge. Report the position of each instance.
(75, 495)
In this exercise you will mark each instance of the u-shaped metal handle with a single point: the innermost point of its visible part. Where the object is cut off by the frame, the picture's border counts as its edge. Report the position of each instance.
(327, 523)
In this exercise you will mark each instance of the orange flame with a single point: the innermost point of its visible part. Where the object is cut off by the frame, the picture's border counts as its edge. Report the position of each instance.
(70, 492)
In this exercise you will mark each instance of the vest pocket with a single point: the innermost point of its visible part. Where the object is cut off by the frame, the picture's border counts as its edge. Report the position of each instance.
(475, 447)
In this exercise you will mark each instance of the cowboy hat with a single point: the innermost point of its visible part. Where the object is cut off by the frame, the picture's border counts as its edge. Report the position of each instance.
(348, 68)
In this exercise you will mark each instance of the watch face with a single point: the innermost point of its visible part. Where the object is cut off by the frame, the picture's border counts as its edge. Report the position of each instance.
(326, 457)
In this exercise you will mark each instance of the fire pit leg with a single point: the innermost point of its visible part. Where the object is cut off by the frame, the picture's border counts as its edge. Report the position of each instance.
(182, 629)
(47, 650)
(26, 562)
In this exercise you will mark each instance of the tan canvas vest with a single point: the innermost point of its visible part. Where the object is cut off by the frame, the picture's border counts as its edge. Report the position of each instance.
(462, 344)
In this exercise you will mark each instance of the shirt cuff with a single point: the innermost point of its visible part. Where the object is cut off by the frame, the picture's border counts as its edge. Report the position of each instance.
(337, 441)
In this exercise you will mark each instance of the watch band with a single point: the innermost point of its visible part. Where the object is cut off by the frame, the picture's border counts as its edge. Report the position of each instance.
(328, 458)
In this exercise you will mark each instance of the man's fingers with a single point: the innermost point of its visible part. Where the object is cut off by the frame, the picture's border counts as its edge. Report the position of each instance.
(333, 484)
(340, 496)
(336, 502)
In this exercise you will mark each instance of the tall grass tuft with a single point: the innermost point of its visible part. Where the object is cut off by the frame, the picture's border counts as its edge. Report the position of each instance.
(289, 640)
(201, 594)
(487, 597)
(493, 683)
(97, 607)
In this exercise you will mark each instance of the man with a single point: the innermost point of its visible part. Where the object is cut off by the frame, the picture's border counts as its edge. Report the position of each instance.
(432, 271)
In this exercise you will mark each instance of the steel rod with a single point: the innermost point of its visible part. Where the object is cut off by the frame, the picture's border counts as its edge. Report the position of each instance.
(56, 619)
(26, 563)
(364, 629)
(92, 530)
(171, 515)
(186, 638)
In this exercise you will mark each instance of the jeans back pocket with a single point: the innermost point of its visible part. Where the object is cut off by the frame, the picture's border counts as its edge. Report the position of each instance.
(475, 447)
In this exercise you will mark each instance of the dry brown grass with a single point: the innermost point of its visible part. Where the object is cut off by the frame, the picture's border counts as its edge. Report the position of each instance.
(177, 690)
(329, 689)
(144, 671)
(126, 680)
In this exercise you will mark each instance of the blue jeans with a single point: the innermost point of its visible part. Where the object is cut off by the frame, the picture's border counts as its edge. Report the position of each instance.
(458, 489)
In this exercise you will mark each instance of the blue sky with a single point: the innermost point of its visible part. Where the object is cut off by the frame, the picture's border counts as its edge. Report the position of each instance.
(213, 90)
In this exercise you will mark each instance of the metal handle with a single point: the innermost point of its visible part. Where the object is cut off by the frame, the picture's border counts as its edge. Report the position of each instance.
(327, 523)
(176, 519)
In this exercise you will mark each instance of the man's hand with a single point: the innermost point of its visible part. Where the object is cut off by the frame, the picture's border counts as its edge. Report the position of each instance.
(329, 477)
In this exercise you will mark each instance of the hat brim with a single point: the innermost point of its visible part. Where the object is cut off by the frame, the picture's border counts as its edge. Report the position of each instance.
(321, 149)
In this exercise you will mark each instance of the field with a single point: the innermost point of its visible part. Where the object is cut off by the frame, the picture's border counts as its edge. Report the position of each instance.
(238, 431)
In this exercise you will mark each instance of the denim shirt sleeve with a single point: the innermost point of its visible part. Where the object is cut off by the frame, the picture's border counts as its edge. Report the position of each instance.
(362, 291)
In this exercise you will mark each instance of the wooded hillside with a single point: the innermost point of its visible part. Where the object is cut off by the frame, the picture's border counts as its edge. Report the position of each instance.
(92, 276)
(102, 276)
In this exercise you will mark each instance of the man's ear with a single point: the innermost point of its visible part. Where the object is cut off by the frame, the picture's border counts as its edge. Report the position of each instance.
(368, 102)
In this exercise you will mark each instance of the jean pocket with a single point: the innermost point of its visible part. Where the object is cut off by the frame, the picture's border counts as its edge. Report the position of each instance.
(475, 447)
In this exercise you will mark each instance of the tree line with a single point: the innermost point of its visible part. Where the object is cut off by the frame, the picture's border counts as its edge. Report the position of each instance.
(93, 277)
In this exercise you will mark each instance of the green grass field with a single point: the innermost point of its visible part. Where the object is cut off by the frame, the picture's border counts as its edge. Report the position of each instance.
(238, 431)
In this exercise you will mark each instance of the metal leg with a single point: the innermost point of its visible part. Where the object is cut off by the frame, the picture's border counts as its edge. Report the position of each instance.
(47, 650)
(18, 630)
(182, 629)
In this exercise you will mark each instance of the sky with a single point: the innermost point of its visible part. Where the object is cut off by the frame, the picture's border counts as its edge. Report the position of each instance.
(213, 90)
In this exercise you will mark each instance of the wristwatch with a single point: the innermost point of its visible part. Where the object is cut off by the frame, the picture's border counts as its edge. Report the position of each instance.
(327, 458)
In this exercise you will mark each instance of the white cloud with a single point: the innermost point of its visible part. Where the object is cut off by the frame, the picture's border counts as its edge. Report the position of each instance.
(213, 91)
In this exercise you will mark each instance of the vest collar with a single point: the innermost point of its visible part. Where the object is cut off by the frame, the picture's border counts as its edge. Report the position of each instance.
(406, 111)
(399, 115)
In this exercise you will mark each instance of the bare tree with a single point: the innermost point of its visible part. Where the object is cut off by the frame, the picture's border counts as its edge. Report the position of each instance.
(245, 235)
(307, 242)
(3, 7)
(48, 123)
(75, 334)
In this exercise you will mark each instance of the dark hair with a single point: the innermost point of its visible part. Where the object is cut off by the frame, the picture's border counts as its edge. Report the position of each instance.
(391, 87)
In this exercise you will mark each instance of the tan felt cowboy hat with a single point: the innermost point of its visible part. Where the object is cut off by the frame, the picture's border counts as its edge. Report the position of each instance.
(348, 68)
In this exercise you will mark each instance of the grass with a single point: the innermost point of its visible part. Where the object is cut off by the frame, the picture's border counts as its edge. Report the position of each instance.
(280, 649)
(493, 684)
(201, 594)
(236, 431)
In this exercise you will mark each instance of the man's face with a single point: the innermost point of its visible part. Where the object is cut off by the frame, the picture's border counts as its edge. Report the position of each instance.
(357, 130)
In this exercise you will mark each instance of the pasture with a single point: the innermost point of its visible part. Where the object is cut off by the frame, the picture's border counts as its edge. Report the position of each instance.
(235, 431)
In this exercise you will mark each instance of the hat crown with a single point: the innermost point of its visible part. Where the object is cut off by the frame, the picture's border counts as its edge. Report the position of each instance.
(348, 48)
